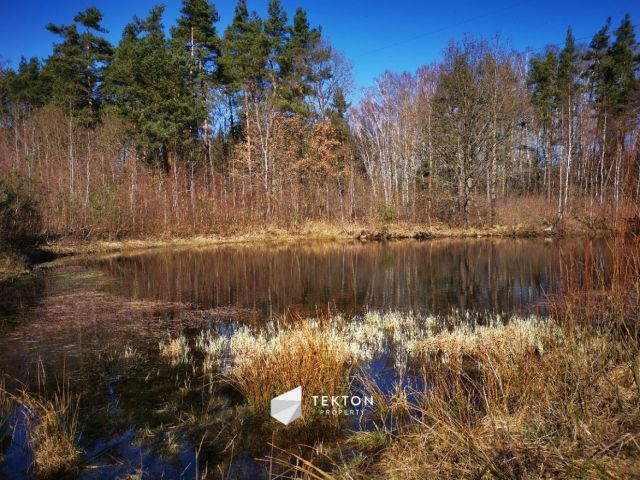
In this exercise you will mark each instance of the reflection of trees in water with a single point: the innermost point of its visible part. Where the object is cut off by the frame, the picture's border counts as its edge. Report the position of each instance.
(497, 275)
(18, 297)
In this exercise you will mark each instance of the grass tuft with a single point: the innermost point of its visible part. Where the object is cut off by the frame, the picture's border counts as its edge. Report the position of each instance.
(313, 355)
(52, 428)
(369, 442)
(176, 350)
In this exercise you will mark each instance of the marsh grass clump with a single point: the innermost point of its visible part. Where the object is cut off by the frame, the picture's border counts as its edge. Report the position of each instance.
(373, 330)
(214, 348)
(12, 264)
(523, 415)
(176, 350)
(319, 355)
(523, 399)
(265, 364)
(52, 429)
(369, 442)
(6, 407)
(495, 342)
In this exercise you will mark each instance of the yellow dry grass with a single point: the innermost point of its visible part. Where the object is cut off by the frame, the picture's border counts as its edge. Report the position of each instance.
(312, 355)
(52, 428)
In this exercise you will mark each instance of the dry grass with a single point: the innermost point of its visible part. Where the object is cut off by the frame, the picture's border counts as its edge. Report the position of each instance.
(521, 401)
(52, 428)
(320, 355)
(571, 412)
(312, 355)
(12, 265)
(530, 399)
(529, 221)
(176, 350)
(526, 212)
(213, 348)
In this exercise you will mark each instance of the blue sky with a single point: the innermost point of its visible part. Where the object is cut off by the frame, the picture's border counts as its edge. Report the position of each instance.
(376, 35)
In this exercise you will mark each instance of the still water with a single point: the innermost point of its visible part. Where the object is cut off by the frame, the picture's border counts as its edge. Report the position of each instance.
(499, 276)
(78, 317)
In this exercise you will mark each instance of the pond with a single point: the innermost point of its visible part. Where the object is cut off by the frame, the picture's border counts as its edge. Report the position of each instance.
(81, 319)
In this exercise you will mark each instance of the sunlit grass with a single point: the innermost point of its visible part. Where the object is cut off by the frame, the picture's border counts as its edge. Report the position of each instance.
(213, 348)
(527, 398)
(176, 350)
(312, 355)
(52, 427)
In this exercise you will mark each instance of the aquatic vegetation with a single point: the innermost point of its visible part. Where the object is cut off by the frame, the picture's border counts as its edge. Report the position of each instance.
(176, 350)
(497, 339)
(130, 353)
(504, 398)
(455, 396)
(214, 348)
(52, 429)
(313, 355)
(524, 400)
(11, 265)
(320, 355)
(369, 442)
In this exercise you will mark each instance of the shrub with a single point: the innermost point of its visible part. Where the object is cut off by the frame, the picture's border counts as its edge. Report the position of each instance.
(19, 218)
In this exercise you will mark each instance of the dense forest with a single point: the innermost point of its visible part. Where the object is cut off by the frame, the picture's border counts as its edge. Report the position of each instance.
(208, 131)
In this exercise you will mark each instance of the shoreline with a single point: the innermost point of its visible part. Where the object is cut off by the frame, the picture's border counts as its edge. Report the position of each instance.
(311, 232)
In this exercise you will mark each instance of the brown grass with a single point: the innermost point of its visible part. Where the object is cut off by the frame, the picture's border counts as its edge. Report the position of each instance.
(176, 350)
(52, 428)
(321, 231)
(551, 400)
(570, 412)
(311, 356)
(12, 265)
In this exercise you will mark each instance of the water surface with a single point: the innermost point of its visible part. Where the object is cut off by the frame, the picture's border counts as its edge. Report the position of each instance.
(78, 318)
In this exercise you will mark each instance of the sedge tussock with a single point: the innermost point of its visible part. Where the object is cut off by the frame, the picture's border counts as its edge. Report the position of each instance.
(311, 355)
(176, 350)
(52, 429)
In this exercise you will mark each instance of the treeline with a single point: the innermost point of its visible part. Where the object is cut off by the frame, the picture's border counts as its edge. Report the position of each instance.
(488, 124)
(203, 131)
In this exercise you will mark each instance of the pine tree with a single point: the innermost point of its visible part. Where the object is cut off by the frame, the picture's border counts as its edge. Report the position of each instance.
(147, 83)
(568, 88)
(625, 95)
(340, 105)
(460, 111)
(245, 49)
(625, 64)
(303, 54)
(75, 68)
(196, 32)
(614, 86)
(568, 67)
(25, 88)
(275, 29)
(543, 80)
(599, 72)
